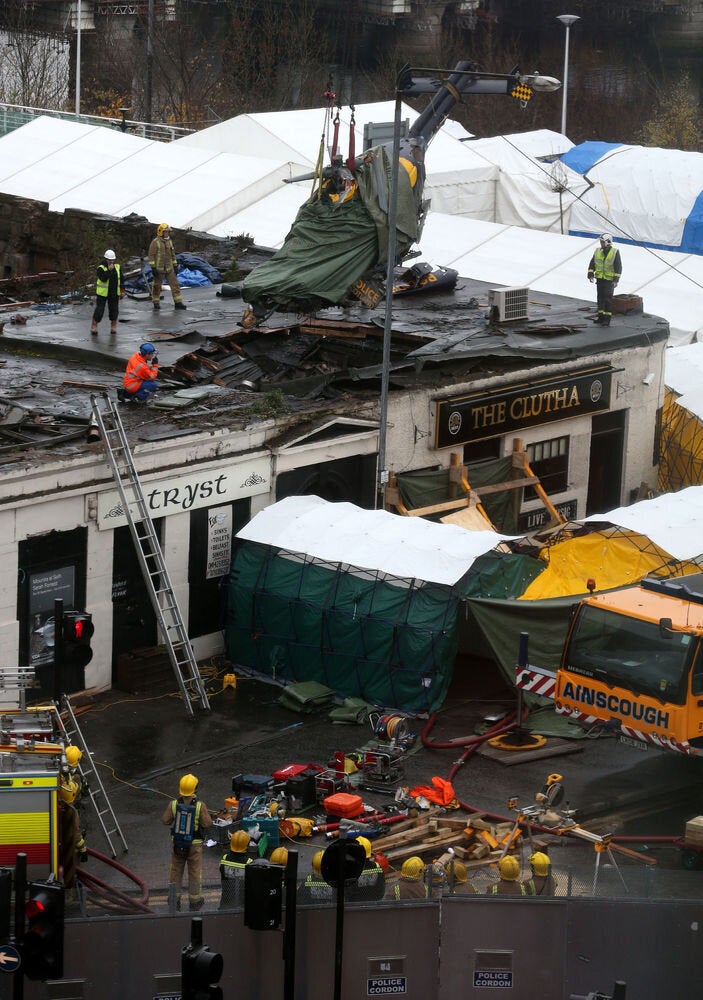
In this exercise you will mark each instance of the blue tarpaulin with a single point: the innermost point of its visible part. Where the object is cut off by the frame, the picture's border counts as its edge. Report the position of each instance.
(582, 157)
(192, 279)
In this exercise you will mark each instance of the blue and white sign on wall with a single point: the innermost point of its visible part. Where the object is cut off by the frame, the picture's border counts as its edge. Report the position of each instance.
(493, 979)
(390, 986)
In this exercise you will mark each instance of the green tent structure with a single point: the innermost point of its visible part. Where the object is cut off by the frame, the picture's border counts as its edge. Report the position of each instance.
(364, 634)
(366, 602)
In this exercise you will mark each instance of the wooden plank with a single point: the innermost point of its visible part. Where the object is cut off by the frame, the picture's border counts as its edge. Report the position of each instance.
(86, 385)
(13, 306)
(437, 508)
(428, 844)
(512, 484)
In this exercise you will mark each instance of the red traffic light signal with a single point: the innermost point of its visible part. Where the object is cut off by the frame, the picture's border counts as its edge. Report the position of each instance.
(42, 945)
(78, 630)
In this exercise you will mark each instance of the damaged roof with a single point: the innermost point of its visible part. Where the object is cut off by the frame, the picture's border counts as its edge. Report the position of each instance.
(293, 367)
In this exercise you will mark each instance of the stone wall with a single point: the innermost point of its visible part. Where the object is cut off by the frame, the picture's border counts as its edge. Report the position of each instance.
(34, 240)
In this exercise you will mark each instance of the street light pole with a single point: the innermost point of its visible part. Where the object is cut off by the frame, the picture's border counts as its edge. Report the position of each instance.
(567, 20)
(79, 16)
(388, 321)
(148, 98)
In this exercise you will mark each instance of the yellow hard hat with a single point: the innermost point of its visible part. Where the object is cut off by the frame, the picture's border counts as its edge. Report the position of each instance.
(187, 784)
(509, 868)
(239, 841)
(366, 844)
(68, 790)
(279, 856)
(163, 228)
(460, 872)
(317, 862)
(73, 755)
(540, 863)
(412, 868)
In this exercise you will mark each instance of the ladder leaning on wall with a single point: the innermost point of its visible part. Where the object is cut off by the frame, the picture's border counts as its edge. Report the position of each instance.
(148, 549)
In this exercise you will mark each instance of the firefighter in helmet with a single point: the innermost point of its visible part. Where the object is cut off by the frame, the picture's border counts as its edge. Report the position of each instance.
(232, 868)
(542, 881)
(411, 884)
(508, 883)
(187, 817)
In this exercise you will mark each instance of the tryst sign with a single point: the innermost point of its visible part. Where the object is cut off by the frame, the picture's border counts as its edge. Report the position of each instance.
(179, 494)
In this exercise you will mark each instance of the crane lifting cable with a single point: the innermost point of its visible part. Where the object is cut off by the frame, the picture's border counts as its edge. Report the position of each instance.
(351, 159)
(329, 97)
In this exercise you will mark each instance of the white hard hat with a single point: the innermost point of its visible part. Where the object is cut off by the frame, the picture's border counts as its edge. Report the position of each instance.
(606, 238)
(110, 255)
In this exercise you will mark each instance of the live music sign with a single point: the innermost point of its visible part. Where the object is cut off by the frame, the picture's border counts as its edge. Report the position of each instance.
(470, 418)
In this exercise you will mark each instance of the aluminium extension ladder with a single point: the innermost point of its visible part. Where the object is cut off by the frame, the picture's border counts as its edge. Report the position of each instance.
(146, 544)
(92, 783)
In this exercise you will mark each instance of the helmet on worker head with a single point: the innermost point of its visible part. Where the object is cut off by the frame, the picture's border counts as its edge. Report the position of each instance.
(540, 863)
(239, 841)
(146, 349)
(606, 239)
(73, 755)
(461, 873)
(412, 868)
(187, 784)
(317, 862)
(163, 229)
(366, 844)
(110, 255)
(279, 856)
(509, 868)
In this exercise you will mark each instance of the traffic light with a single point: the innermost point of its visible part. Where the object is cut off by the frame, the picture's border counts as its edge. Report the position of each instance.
(42, 946)
(78, 630)
(200, 972)
(263, 895)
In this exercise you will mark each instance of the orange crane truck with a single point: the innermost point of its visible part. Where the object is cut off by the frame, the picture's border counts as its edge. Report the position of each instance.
(632, 662)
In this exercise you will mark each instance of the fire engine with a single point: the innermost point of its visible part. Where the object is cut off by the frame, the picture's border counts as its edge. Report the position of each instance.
(39, 784)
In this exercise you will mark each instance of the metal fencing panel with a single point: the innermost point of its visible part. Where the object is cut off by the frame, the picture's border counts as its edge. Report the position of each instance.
(537, 949)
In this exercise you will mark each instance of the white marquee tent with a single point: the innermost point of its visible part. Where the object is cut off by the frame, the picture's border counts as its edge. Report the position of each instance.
(405, 547)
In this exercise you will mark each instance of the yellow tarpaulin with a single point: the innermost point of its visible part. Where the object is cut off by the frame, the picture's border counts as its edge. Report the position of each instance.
(681, 461)
(612, 559)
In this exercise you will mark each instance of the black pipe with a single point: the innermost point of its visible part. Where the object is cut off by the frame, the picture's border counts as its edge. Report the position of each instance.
(57, 679)
(339, 935)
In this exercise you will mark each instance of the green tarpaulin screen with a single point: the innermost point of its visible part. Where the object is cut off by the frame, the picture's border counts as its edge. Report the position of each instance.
(391, 642)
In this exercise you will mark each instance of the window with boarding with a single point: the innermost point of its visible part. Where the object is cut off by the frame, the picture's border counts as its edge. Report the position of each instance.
(549, 461)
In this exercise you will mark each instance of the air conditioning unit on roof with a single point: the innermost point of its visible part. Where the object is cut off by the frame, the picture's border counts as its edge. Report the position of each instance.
(506, 304)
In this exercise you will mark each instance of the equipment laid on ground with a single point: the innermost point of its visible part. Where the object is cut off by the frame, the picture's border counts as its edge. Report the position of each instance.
(148, 550)
(633, 664)
(380, 763)
(561, 823)
(691, 844)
